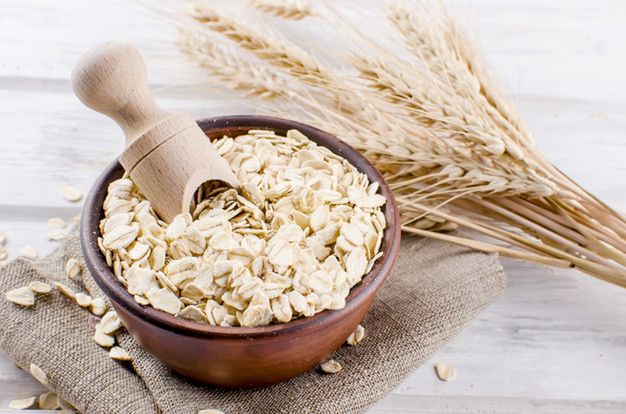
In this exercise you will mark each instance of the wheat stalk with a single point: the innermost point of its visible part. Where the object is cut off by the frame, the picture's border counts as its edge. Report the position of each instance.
(446, 139)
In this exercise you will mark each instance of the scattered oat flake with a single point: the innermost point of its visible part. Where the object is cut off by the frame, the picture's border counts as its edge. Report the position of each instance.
(57, 235)
(109, 323)
(22, 404)
(48, 401)
(3, 253)
(98, 306)
(66, 290)
(104, 340)
(29, 252)
(71, 194)
(39, 374)
(356, 336)
(445, 372)
(39, 287)
(119, 354)
(72, 268)
(56, 223)
(210, 411)
(330, 367)
(83, 300)
(22, 296)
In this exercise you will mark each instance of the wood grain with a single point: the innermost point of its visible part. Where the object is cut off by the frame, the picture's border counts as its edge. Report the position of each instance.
(555, 342)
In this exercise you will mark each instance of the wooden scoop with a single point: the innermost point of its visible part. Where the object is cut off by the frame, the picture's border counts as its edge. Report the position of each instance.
(167, 155)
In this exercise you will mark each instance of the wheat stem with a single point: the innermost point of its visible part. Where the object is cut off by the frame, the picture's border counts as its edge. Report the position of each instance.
(489, 248)
(545, 232)
(513, 205)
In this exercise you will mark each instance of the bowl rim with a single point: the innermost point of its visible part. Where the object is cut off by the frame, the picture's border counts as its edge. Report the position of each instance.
(106, 280)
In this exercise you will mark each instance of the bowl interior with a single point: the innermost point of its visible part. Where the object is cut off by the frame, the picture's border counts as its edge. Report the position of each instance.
(233, 126)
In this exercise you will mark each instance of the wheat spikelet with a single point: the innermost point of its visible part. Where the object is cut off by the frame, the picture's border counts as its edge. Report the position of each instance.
(442, 47)
(454, 121)
(236, 73)
(426, 105)
(287, 9)
(475, 64)
(280, 52)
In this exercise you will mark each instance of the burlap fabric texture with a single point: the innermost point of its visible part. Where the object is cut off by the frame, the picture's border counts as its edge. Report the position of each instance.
(435, 289)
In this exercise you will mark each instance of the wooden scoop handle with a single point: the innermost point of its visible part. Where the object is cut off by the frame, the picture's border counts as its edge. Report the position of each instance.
(167, 155)
(112, 79)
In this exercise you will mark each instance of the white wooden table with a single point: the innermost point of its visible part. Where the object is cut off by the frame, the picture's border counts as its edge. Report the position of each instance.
(555, 342)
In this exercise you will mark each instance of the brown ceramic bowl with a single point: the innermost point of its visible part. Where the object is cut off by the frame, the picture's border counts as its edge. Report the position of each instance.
(242, 357)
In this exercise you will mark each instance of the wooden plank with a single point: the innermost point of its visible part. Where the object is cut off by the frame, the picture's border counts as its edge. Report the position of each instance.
(78, 138)
(561, 105)
(405, 404)
(56, 141)
(16, 384)
(32, 232)
(35, 411)
(554, 334)
(534, 46)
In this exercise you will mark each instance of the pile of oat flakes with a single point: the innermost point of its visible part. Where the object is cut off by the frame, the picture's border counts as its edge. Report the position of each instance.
(304, 228)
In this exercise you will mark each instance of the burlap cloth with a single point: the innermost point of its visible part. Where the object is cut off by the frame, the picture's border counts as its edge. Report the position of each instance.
(435, 289)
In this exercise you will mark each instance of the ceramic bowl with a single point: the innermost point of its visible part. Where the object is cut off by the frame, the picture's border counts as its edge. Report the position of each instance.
(239, 357)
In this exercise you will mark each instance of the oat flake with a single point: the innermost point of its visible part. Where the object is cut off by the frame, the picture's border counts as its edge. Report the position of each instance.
(445, 372)
(98, 306)
(330, 367)
(72, 268)
(356, 336)
(48, 401)
(119, 354)
(103, 339)
(56, 223)
(71, 194)
(22, 296)
(39, 374)
(22, 404)
(39, 287)
(29, 252)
